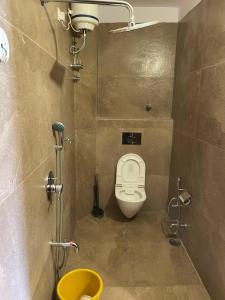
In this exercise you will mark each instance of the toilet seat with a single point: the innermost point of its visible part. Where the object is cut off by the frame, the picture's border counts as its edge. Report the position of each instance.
(130, 172)
(134, 195)
(130, 184)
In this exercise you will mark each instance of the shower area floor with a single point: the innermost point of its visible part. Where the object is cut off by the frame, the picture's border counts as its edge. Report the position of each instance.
(135, 260)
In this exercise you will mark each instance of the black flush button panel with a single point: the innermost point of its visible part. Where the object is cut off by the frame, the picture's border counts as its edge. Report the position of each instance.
(131, 138)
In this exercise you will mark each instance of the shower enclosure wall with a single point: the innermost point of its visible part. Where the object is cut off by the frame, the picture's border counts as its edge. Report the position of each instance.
(116, 86)
(198, 154)
(35, 91)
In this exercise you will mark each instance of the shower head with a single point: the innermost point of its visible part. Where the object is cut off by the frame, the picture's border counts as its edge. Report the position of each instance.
(58, 126)
(133, 26)
(58, 132)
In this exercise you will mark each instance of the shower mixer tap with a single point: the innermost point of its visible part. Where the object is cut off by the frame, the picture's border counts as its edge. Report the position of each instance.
(52, 188)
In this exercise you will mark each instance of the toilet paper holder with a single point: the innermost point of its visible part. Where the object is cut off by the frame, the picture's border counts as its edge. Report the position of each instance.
(185, 198)
(172, 223)
(183, 195)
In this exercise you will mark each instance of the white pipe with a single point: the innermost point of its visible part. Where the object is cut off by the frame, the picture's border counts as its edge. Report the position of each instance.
(101, 2)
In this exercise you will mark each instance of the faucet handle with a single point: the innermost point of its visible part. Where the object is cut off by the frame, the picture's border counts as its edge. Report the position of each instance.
(75, 246)
(72, 244)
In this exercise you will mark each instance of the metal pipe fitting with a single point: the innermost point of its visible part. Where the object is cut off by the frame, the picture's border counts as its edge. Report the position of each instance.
(184, 225)
(54, 188)
(58, 148)
(71, 244)
(121, 3)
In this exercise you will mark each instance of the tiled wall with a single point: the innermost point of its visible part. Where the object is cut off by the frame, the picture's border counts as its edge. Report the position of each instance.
(199, 138)
(35, 91)
(134, 69)
(85, 126)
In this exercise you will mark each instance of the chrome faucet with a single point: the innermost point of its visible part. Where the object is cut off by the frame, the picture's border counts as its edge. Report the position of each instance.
(71, 244)
(52, 188)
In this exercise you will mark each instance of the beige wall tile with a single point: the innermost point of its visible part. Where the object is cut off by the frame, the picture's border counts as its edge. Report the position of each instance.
(190, 39)
(186, 103)
(129, 77)
(68, 174)
(31, 103)
(85, 166)
(199, 161)
(35, 92)
(9, 265)
(107, 193)
(126, 97)
(108, 142)
(147, 52)
(85, 196)
(211, 118)
(40, 24)
(67, 104)
(45, 285)
(214, 38)
(181, 164)
(157, 192)
(86, 102)
(31, 227)
(85, 155)
(85, 111)
(134, 123)
(138, 71)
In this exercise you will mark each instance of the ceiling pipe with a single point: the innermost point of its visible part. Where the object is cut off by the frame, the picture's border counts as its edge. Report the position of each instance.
(121, 3)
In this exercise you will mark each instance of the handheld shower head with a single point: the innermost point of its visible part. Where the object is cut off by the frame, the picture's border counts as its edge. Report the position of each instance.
(133, 26)
(58, 126)
(58, 132)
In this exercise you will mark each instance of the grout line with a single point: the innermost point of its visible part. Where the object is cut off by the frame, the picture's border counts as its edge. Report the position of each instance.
(25, 179)
(191, 262)
(131, 120)
(19, 31)
(199, 140)
(212, 66)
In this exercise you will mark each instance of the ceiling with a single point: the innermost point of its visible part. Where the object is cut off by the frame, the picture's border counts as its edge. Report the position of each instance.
(157, 3)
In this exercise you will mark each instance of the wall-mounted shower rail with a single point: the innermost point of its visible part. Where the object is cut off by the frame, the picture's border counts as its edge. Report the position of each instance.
(121, 3)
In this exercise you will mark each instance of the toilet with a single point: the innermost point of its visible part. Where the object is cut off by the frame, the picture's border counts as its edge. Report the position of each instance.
(130, 184)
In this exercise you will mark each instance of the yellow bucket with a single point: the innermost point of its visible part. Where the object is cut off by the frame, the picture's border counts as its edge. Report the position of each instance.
(78, 283)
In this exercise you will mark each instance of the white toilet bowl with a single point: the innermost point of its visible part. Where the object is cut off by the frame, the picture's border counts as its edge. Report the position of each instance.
(130, 184)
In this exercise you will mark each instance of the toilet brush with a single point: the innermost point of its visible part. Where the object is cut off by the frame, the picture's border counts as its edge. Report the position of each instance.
(97, 211)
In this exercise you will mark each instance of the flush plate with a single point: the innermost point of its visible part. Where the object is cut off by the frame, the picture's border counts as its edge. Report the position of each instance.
(131, 138)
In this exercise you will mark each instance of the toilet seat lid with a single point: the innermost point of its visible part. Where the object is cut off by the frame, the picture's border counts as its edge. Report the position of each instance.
(130, 170)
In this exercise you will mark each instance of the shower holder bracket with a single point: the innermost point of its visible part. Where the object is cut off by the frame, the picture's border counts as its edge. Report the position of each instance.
(58, 148)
